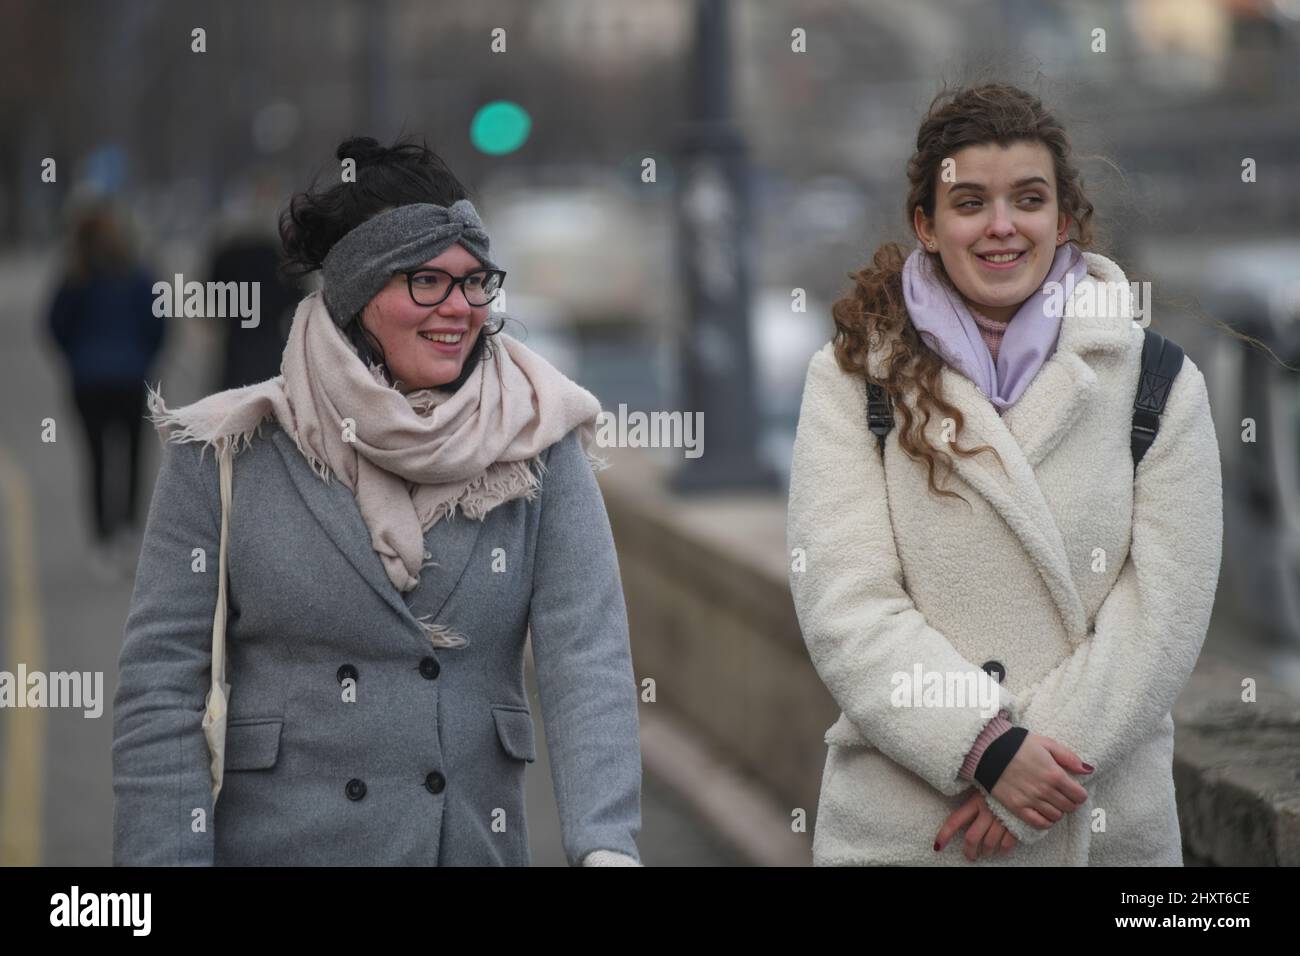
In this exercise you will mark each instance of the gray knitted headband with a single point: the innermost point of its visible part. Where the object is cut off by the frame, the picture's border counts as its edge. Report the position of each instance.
(362, 262)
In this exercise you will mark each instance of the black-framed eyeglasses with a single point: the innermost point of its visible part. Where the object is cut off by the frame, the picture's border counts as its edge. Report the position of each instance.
(429, 287)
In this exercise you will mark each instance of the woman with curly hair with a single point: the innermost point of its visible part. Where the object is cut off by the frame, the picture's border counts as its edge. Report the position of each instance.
(1005, 649)
(372, 688)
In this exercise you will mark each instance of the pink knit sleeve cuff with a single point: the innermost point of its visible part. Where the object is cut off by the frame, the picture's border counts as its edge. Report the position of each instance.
(998, 726)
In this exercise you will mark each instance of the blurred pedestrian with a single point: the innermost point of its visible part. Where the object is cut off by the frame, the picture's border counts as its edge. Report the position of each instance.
(247, 249)
(102, 321)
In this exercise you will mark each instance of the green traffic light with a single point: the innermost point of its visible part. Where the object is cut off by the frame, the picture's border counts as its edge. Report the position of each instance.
(500, 127)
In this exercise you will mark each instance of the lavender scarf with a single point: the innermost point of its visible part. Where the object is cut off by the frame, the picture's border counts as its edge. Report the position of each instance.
(945, 324)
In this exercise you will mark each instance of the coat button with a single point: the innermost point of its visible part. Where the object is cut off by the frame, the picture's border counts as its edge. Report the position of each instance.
(356, 789)
(995, 669)
(346, 671)
(435, 782)
(430, 667)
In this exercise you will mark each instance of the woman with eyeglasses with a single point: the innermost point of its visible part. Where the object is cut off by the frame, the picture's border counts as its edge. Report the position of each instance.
(411, 499)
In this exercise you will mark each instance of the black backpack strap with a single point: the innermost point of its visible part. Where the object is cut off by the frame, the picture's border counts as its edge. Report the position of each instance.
(1162, 359)
(1161, 362)
(880, 416)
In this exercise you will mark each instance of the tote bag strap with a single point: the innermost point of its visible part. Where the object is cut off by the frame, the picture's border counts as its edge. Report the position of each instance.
(214, 717)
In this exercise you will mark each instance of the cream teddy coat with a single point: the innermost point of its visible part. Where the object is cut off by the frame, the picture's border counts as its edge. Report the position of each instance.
(1090, 587)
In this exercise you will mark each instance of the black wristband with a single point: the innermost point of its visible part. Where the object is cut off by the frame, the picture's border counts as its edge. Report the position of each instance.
(998, 755)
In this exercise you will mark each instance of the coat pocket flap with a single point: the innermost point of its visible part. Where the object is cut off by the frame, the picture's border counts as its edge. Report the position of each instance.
(845, 733)
(515, 728)
(253, 744)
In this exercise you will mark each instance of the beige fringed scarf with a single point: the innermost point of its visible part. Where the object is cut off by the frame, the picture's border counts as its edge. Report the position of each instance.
(410, 459)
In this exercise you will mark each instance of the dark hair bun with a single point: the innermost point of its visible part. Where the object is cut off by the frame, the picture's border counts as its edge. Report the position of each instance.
(387, 176)
(364, 149)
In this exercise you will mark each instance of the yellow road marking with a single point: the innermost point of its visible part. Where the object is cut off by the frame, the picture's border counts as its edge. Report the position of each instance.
(21, 823)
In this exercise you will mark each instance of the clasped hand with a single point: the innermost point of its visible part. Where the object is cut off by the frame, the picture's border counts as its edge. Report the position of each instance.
(1036, 786)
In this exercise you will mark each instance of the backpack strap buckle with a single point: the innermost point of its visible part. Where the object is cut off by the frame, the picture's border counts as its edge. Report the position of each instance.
(880, 416)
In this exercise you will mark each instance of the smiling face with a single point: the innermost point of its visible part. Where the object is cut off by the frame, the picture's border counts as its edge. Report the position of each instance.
(401, 326)
(1003, 201)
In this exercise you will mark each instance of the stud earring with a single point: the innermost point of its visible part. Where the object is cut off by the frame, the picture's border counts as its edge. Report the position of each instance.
(931, 245)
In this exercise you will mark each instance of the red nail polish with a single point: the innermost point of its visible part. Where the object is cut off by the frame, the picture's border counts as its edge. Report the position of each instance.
(936, 846)
(1088, 767)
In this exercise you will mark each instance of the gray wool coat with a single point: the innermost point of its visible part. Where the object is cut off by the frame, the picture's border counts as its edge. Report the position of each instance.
(427, 766)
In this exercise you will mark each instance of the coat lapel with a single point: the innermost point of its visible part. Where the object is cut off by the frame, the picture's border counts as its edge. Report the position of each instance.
(1014, 493)
(1058, 395)
(449, 542)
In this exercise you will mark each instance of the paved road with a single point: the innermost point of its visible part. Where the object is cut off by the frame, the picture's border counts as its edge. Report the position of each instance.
(55, 765)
